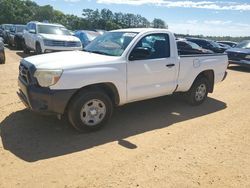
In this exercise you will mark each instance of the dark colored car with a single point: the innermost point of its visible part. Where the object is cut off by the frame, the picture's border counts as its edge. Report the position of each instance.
(240, 54)
(224, 45)
(2, 54)
(5, 28)
(208, 44)
(86, 36)
(15, 36)
(230, 43)
(190, 48)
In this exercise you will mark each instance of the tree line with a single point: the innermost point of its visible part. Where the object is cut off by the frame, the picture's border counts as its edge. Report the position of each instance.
(23, 11)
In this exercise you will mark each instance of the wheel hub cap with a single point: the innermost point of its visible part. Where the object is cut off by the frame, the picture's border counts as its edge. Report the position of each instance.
(200, 92)
(93, 112)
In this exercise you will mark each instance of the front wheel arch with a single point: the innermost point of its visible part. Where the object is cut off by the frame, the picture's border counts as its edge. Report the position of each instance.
(38, 48)
(109, 88)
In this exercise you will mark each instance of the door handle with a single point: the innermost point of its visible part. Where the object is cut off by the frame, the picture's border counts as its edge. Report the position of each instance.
(170, 65)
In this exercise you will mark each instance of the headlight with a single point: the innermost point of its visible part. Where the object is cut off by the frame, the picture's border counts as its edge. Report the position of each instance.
(47, 78)
(247, 57)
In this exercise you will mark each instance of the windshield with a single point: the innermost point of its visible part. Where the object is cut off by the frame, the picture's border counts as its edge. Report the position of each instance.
(111, 43)
(193, 45)
(20, 29)
(7, 27)
(214, 44)
(92, 35)
(55, 30)
(244, 44)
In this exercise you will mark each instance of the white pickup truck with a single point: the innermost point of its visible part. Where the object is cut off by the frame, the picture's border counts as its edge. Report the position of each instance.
(119, 67)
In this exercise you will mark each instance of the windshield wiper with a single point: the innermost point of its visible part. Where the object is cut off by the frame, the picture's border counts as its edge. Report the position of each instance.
(97, 52)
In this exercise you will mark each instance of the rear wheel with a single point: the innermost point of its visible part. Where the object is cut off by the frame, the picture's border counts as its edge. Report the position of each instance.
(2, 57)
(90, 110)
(198, 92)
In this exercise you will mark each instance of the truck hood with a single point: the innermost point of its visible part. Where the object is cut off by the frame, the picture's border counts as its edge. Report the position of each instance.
(59, 37)
(69, 60)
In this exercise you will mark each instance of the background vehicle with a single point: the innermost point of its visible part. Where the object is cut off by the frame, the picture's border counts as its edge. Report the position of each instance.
(100, 31)
(208, 44)
(45, 37)
(119, 67)
(5, 28)
(240, 54)
(86, 36)
(224, 45)
(230, 43)
(189, 48)
(16, 36)
(2, 54)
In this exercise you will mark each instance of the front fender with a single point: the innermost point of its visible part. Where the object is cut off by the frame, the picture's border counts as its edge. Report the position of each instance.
(82, 77)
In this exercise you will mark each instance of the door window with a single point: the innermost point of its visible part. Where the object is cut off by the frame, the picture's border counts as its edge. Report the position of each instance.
(157, 45)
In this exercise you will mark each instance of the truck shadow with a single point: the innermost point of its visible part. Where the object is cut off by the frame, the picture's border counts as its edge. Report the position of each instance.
(23, 55)
(32, 137)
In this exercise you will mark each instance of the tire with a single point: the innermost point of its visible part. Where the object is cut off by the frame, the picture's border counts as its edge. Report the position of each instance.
(90, 110)
(26, 50)
(9, 44)
(38, 49)
(18, 44)
(2, 57)
(198, 92)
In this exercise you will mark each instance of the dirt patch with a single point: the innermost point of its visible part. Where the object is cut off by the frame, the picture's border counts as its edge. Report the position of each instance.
(156, 143)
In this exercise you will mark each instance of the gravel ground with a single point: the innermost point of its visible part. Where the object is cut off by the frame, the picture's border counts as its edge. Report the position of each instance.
(156, 143)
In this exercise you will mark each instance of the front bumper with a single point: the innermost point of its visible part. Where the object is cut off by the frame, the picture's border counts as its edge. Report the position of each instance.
(244, 63)
(44, 100)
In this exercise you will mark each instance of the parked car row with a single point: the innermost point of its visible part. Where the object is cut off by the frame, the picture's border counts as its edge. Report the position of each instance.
(45, 37)
(237, 53)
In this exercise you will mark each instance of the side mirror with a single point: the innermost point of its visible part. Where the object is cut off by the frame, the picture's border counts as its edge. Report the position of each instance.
(33, 31)
(139, 53)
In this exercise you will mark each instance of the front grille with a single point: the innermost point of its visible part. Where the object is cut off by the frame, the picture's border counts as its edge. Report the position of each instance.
(58, 43)
(24, 73)
(235, 56)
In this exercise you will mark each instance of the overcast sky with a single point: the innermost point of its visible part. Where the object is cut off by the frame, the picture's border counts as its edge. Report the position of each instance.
(216, 18)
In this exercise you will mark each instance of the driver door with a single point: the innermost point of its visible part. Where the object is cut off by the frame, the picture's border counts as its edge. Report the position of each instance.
(153, 75)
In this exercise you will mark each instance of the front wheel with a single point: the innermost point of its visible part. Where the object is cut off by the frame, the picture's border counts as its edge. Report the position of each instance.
(38, 49)
(26, 50)
(18, 44)
(198, 92)
(90, 110)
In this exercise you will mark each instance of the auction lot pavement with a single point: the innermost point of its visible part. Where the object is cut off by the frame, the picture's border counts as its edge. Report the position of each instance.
(156, 143)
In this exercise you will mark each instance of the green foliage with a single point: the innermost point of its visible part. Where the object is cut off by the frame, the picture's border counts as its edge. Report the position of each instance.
(158, 23)
(24, 11)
